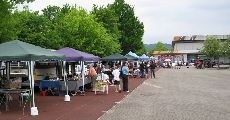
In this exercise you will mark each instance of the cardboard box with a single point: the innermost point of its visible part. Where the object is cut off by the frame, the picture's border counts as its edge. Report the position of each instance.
(13, 85)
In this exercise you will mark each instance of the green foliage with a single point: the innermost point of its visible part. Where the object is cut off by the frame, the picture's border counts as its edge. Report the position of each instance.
(103, 31)
(132, 30)
(7, 21)
(108, 19)
(86, 34)
(226, 47)
(141, 51)
(15, 2)
(36, 29)
(51, 12)
(159, 47)
(212, 48)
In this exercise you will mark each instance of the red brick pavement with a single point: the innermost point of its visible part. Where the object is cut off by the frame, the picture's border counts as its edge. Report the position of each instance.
(88, 107)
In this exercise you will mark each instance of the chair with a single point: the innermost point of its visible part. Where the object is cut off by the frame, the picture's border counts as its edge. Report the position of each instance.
(49, 90)
(25, 97)
(101, 87)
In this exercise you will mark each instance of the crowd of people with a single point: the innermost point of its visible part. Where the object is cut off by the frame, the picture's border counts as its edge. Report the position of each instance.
(122, 71)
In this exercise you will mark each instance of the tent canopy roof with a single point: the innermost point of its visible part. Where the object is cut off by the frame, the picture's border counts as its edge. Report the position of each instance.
(132, 54)
(21, 51)
(130, 57)
(115, 56)
(144, 57)
(76, 55)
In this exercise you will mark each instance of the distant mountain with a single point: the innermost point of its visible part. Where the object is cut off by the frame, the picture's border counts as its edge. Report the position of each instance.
(150, 46)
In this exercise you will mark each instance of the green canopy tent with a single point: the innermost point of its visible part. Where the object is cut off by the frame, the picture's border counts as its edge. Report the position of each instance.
(129, 57)
(114, 57)
(20, 51)
(118, 57)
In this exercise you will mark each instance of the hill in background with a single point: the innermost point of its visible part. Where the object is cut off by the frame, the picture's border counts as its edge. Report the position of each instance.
(150, 46)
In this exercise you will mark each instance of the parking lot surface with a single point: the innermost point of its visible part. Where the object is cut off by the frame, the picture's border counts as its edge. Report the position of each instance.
(177, 94)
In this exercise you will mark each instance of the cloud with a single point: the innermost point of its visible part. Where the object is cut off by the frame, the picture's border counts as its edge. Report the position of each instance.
(164, 19)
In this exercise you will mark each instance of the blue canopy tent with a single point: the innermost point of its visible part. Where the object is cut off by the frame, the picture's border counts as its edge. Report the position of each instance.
(152, 58)
(178, 59)
(132, 54)
(144, 57)
(135, 55)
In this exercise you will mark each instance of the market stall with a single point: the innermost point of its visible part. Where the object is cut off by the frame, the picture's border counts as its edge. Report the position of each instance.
(73, 55)
(132, 54)
(144, 57)
(21, 51)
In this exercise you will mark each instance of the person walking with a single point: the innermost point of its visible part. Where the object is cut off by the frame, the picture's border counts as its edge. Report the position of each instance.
(125, 73)
(152, 68)
(116, 79)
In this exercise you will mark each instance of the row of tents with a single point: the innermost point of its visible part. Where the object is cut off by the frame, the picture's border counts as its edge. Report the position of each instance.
(128, 56)
(21, 51)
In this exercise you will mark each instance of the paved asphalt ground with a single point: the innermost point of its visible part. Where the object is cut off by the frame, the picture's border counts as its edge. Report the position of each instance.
(177, 94)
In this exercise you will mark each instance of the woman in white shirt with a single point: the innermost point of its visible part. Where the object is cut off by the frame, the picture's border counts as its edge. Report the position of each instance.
(116, 74)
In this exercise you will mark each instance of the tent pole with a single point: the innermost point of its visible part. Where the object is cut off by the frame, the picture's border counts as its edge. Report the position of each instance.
(8, 70)
(83, 76)
(65, 78)
(32, 79)
(29, 75)
(67, 97)
(34, 110)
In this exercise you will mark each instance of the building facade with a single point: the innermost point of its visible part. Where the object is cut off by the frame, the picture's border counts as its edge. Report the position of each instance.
(188, 47)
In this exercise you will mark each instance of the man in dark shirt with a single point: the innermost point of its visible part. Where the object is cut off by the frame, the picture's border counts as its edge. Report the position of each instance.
(142, 68)
(152, 67)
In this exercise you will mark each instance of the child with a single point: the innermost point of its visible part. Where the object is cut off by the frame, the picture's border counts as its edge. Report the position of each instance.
(116, 74)
(135, 73)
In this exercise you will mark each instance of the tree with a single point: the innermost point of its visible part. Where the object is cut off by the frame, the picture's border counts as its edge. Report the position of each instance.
(7, 22)
(108, 18)
(132, 30)
(36, 29)
(212, 48)
(82, 32)
(141, 51)
(51, 12)
(226, 48)
(159, 47)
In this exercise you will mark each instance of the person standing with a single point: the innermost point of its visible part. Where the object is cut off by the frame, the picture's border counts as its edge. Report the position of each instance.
(142, 69)
(125, 73)
(152, 69)
(116, 79)
(92, 74)
(146, 69)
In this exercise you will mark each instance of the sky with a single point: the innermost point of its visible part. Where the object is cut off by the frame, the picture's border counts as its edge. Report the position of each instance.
(164, 19)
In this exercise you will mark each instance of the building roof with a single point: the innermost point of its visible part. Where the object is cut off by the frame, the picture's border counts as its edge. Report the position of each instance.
(197, 38)
(165, 52)
(176, 52)
(188, 51)
(200, 37)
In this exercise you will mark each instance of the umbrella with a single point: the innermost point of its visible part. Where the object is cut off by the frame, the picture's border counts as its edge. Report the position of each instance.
(152, 58)
(167, 60)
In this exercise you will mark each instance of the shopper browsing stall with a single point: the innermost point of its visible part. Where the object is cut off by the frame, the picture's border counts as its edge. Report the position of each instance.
(92, 74)
(116, 78)
(125, 73)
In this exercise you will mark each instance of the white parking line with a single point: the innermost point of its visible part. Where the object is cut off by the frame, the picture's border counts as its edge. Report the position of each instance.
(152, 85)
